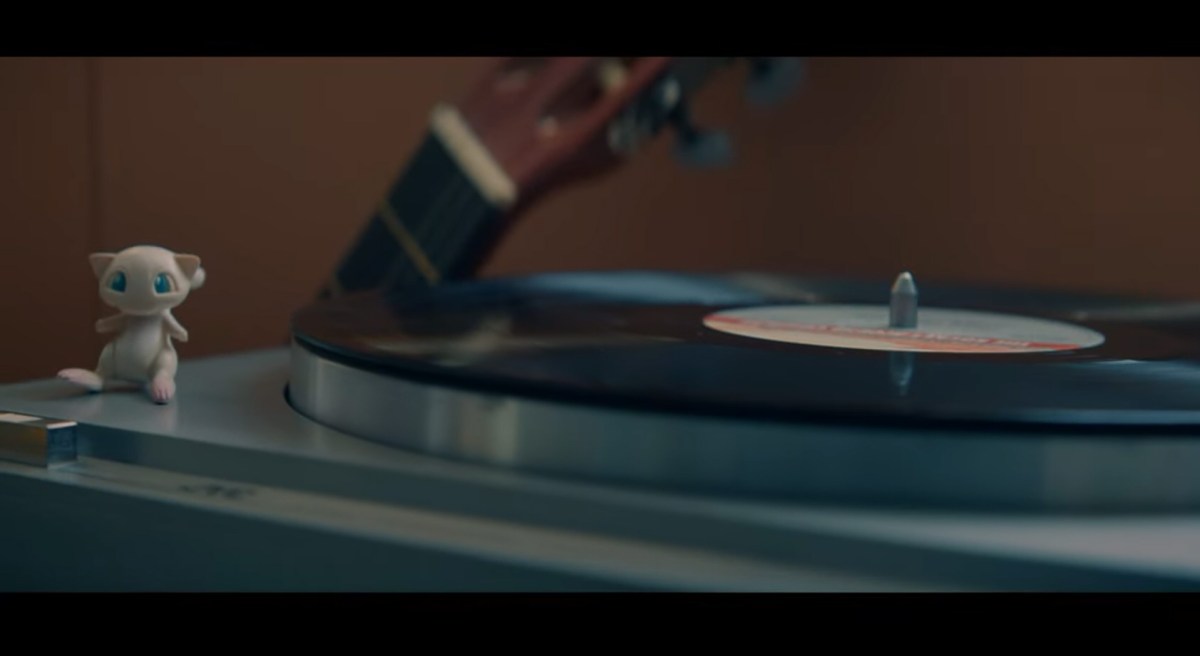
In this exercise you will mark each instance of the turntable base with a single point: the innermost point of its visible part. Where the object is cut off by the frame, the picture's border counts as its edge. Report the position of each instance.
(771, 386)
(231, 489)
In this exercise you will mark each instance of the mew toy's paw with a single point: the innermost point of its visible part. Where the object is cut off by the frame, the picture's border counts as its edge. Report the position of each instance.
(84, 378)
(161, 389)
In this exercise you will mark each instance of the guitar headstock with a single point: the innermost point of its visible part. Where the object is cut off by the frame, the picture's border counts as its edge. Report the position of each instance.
(547, 121)
(528, 125)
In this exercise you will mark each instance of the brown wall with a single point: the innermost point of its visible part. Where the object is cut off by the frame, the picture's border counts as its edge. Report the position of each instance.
(1077, 173)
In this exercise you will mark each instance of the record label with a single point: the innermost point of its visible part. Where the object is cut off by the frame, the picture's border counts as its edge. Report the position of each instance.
(939, 330)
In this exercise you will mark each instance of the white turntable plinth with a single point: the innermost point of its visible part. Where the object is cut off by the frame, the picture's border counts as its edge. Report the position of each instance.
(158, 489)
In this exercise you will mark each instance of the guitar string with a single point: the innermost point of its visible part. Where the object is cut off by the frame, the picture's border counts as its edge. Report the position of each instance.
(421, 230)
(451, 195)
(444, 231)
(398, 259)
(338, 285)
(440, 232)
(434, 237)
(455, 242)
(458, 217)
(445, 214)
(397, 230)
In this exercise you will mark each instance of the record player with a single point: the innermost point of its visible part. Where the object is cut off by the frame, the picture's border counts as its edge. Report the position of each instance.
(646, 430)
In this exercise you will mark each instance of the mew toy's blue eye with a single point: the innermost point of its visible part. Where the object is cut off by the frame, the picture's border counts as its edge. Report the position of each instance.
(162, 284)
(117, 284)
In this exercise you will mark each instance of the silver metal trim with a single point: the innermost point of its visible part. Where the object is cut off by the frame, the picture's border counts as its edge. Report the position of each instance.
(796, 460)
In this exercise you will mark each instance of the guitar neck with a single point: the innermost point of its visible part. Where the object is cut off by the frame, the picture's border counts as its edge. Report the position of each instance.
(531, 124)
(437, 222)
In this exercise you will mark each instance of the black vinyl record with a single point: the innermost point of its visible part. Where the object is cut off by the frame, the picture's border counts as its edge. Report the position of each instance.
(645, 340)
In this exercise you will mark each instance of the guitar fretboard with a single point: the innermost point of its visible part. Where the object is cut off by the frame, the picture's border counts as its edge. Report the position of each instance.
(433, 225)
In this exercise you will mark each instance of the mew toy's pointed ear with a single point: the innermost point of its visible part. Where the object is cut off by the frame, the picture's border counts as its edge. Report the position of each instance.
(100, 262)
(188, 264)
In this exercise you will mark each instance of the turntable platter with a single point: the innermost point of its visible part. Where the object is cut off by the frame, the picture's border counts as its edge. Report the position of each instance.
(670, 379)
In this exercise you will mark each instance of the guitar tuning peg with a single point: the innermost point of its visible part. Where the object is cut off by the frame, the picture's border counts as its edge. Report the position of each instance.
(699, 148)
(773, 78)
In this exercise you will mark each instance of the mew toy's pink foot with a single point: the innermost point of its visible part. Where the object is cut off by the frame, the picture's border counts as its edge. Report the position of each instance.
(161, 389)
(84, 378)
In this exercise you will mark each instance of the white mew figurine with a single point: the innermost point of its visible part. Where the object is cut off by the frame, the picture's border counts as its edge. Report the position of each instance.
(144, 283)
